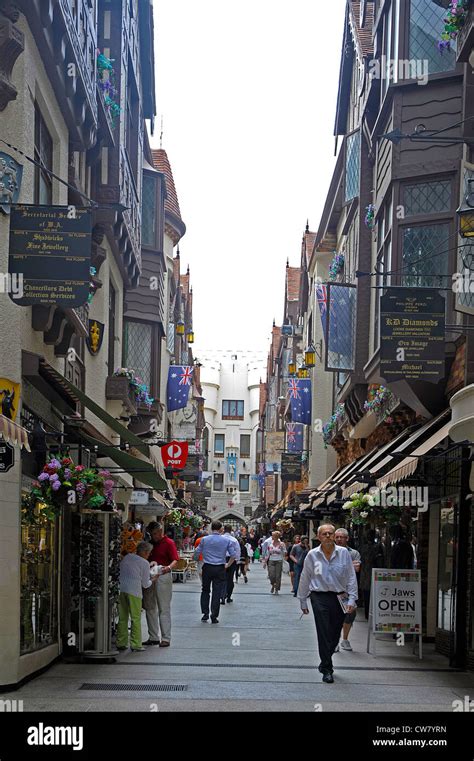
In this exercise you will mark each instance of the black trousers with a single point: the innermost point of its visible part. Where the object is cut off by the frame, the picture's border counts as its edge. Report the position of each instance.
(329, 618)
(228, 585)
(215, 575)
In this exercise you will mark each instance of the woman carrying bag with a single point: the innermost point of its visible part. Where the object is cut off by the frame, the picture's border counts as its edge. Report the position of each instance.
(274, 557)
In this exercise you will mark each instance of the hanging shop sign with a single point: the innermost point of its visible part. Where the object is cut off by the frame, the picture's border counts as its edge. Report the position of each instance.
(7, 456)
(11, 173)
(175, 454)
(95, 336)
(50, 252)
(139, 497)
(192, 471)
(287, 330)
(291, 466)
(412, 335)
(9, 398)
(396, 601)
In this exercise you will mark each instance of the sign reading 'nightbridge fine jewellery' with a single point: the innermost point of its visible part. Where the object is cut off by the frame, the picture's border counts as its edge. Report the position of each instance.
(412, 335)
(50, 248)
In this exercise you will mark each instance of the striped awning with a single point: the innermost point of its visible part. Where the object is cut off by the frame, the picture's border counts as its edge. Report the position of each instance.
(410, 464)
(14, 433)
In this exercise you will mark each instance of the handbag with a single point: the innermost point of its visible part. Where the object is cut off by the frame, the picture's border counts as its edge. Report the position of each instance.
(148, 599)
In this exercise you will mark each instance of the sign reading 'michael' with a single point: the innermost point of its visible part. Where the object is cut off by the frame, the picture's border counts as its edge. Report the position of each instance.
(50, 251)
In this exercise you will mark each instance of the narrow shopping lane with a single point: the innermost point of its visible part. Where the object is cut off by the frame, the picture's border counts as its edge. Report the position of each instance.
(262, 656)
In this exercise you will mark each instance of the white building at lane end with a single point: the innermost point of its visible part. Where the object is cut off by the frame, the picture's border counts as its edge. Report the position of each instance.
(231, 388)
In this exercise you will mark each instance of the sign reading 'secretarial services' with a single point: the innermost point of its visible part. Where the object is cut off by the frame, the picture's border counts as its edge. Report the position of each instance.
(50, 246)
(412, 335)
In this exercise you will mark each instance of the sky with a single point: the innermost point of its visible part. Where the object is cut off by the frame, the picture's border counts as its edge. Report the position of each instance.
(247, 92)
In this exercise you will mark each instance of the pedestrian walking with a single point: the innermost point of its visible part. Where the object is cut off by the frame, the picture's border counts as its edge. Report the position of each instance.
(298, 555)
(327, 573)
(158, 608)
(134, 577)
(372, 556)
(342, 540)
(215, 549)
(228, 586)
(242, 563)
(273, 559)
(253, 541)
(291, 563)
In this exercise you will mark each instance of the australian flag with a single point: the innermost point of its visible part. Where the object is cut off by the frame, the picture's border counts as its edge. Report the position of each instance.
(294, 437)
(179, 383)
(299, 391)
(322, 298)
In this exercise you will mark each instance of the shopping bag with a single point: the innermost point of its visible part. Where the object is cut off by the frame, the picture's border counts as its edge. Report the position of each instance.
(257, 554)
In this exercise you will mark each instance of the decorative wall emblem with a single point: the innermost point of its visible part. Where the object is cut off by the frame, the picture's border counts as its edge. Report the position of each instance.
(11, 173)
(9, 398)
(95, 336)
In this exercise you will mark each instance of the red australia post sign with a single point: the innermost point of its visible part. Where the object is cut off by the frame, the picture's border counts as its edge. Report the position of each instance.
(175, 454)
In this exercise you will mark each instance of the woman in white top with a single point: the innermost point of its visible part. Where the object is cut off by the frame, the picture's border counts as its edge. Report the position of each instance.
(274, 556)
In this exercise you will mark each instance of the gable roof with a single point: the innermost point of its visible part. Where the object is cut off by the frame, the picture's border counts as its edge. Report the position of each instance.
(292, 287)
(161, 162)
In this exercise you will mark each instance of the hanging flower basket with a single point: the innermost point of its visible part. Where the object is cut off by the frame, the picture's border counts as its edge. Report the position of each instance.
(365, 508)
(63, 483)
(106, 83)
(379, 397)
(336, 266)
(370, 216)
(139, 389)
(329, 427)
(454, 22)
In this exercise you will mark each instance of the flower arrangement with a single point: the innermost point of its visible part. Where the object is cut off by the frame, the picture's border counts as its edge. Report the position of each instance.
(59, 478)
(370, 216)
(379, 396)
(107, 86)
(130, 537)
(139, 388)
(336, 266)
(184, 517)
(332, 423)
(363, 508)
(92, 286)
(454, 21)
(284, 525)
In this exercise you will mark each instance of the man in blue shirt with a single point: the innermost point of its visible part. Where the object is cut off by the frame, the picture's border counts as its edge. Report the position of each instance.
(214, 549)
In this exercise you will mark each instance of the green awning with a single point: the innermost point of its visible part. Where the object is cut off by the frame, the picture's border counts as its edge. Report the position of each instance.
(109, 420)
(139, 469)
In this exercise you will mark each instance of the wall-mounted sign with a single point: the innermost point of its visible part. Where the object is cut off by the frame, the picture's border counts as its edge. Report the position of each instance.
(175, 454)
(11, 173)
(7, 456)
(95, 336)
(412, 335)
(287, 330)
(192, 471)
(9, 398)
(291, 466)
(50, 247)
(139, 497)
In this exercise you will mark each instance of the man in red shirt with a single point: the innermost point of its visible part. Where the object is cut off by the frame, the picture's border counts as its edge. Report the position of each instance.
(164, 553)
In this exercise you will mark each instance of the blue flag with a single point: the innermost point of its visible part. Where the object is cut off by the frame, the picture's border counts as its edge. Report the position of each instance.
(179, 383)
(299, 391)
(294, 437)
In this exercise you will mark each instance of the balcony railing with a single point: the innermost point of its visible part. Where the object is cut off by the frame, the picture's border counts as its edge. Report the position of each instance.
(117, 388)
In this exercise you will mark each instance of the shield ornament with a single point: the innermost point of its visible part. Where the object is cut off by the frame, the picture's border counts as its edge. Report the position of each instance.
(9, 398)
(95, 336)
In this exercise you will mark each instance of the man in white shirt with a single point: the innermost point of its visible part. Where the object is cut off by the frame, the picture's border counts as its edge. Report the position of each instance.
(328, 572)
(134, 577)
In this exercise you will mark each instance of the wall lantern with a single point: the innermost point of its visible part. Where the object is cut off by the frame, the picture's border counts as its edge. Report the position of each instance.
(310, 356)
(190, 336)
(303, 372)
(292, 368)
(466, 212)
(180, 328)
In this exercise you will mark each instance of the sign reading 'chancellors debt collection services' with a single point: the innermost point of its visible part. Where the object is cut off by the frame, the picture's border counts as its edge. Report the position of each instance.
(412, 335)
(50, 250)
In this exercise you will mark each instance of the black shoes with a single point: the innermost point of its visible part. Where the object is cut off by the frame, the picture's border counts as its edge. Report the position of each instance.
(205, 618)
(222, 602)
(321, 671)
(152, 642)
(229, 599)
(328, 678)
(214, 620)
(246, 580)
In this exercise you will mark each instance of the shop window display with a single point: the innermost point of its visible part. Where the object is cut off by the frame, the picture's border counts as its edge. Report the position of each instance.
(38, 585)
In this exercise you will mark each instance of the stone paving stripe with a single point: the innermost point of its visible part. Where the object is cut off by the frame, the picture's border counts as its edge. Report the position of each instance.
(122, 687)
(279, 666)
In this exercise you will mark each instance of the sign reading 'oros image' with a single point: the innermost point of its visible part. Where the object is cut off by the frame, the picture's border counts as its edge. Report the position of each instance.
(396, 600)
(50, 249)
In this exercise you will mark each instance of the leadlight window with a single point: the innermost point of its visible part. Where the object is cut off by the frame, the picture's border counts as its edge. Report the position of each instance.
(218, 482)
(138, 349)
(352, 166)
(149, 210)
(43, 150)
(233, 409)
(425, 256)
(427, 197)
(426, 27)
(219, 444)
(244, 483)
(245, 445)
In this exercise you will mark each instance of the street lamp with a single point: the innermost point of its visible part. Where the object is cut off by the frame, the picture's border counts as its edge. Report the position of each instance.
(303, 372)
(292, 367)
(310, 356)
(190, 336)
(180, 328)
(466, 212)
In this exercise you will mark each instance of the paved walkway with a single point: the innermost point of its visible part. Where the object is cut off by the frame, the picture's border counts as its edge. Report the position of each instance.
(260, 657)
